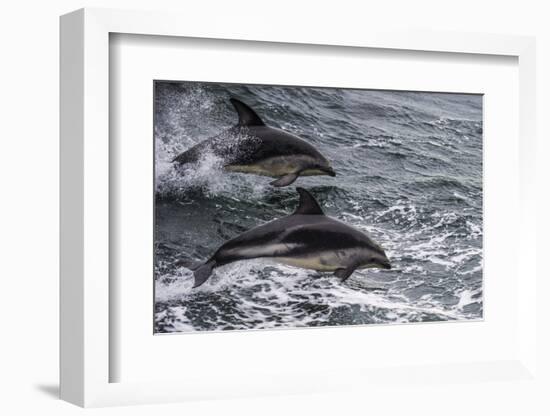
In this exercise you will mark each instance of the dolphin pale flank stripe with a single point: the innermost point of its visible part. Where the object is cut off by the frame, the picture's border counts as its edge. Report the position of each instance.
(307, 239)
(252, 147)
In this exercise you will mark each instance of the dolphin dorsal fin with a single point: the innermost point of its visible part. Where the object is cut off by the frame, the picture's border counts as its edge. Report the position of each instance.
(308, 205)
(247, 116)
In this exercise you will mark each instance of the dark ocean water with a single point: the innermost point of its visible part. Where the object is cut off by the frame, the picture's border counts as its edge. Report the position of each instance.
(409, 172)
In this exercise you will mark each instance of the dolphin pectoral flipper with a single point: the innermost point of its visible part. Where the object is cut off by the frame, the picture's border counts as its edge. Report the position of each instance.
(202, 273)
(285, 180)
(345, 273)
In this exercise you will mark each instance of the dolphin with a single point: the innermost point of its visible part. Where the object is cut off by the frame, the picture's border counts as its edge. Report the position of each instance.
(307, 238)
(252, 147)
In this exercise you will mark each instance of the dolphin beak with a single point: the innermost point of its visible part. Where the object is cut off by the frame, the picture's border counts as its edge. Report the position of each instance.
(329, 171)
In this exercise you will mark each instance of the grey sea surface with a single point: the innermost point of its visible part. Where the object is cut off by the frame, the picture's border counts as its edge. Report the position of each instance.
(409, 172)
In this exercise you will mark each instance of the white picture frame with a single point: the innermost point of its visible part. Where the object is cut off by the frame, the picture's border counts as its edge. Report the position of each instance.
(85, 220)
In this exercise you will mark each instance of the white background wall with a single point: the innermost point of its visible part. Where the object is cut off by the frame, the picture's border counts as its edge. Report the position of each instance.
(29, 206)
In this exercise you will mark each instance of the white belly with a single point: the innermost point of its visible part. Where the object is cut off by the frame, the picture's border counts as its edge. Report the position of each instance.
(323, 262)
(277, 166)
(254, 169)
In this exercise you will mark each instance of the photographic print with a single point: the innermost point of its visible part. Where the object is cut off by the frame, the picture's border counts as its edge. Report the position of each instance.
(294, 207)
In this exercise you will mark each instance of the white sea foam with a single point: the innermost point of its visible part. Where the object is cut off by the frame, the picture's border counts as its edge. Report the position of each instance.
(207, 173)
(284, 296)
(467, 297)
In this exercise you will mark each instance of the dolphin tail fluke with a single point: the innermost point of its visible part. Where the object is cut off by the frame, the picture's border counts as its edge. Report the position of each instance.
(203, 272)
